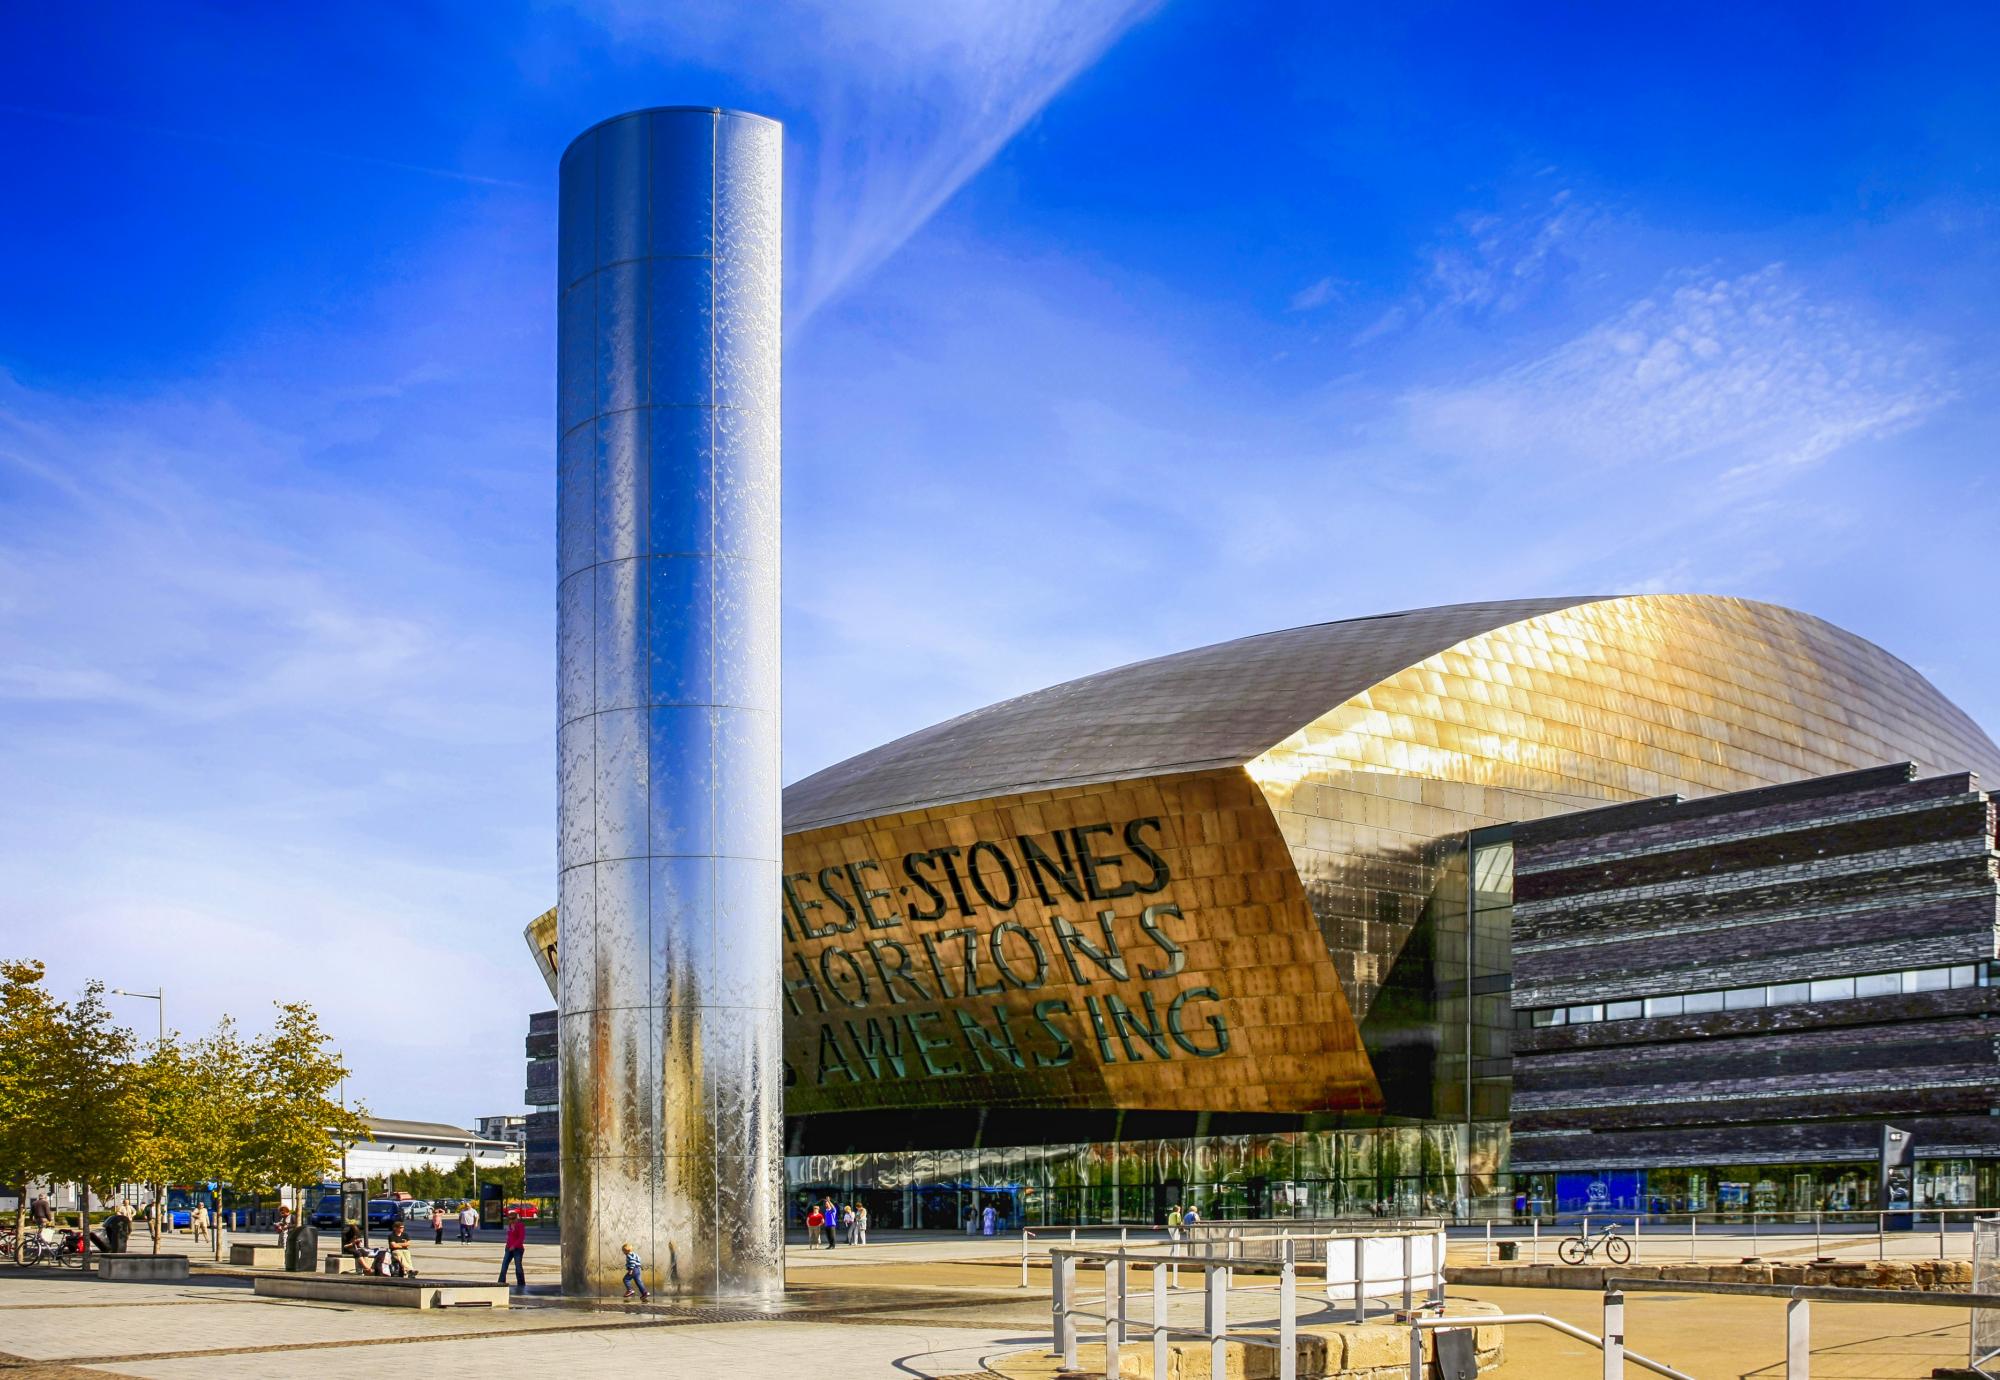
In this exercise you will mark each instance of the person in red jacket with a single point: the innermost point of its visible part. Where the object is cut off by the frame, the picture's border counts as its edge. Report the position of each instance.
(517, 1249)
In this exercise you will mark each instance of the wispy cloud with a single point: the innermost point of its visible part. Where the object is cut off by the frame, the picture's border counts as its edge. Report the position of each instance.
(1749, 372)
(900, 101)
(1318, 293)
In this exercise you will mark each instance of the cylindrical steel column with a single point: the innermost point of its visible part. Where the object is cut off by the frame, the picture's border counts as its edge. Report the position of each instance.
(667, 632)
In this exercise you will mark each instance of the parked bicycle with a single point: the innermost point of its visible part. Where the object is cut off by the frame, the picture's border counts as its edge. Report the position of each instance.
(1575, 1250)
(49, 1245)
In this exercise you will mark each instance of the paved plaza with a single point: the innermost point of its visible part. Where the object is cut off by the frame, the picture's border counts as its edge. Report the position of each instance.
(922, 1309)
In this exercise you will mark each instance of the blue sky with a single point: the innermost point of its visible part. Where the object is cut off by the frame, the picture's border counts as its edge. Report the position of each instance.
(1113, 328)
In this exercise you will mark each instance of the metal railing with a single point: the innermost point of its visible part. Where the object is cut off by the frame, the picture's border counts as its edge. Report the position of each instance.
(1305, 1231)
(1612, 1343)
(1418, 1266)
(1838, 1225)
(1798, 1311)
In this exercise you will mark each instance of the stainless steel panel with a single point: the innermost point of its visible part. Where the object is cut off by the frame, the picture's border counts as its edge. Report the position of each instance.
(576, 501)
(623, 476)
(624, 189)
(624, 341)
(622, 756)
(682, 940)
(683, 356)
(747, 825)
(680, 646)
(622, 659)
(682, 780)
(746, 633)
(681, 518)
(683, 183)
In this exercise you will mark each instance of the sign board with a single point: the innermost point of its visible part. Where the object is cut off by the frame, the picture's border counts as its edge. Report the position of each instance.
(1457, 1356)
(1899, 1177)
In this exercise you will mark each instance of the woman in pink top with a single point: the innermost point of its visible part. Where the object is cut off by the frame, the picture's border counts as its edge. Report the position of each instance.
(437, 1222)
(517, 1247)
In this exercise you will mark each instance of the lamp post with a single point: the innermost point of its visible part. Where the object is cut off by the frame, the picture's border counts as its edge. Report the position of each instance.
(160, 996)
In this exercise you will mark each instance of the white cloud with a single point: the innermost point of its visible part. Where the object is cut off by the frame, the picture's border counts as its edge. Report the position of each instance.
(899, 101)
(1750, 373)
(1318, 294)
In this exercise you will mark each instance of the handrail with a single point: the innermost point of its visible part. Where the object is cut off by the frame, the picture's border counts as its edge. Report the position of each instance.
(1825, 1293)
(1418, 1326)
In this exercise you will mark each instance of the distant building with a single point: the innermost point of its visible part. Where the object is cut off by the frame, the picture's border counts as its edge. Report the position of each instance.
(395, 1147)
(511, 1128)
(541, 1143)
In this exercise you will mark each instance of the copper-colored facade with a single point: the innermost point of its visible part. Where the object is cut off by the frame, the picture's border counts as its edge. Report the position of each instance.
(1283, 808)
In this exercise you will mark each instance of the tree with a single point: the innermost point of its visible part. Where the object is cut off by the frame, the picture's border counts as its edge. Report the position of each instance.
(94, 1122)
(192, 1100)
(31, 1022)
(293, 1128)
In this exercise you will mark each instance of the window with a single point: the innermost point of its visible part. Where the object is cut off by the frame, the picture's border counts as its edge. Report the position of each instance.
(1624, 1010)
(1550, 1016)
(1832, 989)
(1663, 1006)
(1965, 975)
(1785, 993)
(1742, 998)
(1695, 1002)
(1584, 1015)
(1879, 985)
(1930, 980)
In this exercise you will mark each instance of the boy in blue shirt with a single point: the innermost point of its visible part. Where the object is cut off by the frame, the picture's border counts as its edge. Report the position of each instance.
(632, 1267)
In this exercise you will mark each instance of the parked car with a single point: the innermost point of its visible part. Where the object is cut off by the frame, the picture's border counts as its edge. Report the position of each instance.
(327, 1214)
(416, 1209)
(384, 1211)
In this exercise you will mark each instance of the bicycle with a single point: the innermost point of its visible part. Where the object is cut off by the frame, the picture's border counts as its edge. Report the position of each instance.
(47, 1245)
(1575, 1250)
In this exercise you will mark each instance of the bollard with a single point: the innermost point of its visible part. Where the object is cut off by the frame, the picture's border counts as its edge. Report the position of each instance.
(1694, 1220)
(1416, 1351)
(1114, 1313)
(1614, 1336)
(1216, 1317)
(1162, 1344)
(1538, 1241)
(1881, 1236)
(1288, 1318)
(1940, 1233)
(1360, 1299)
(1753, 1231)
(1798, 1340)
(1024, 1257)
(1489, 1241)
(1635, 1238)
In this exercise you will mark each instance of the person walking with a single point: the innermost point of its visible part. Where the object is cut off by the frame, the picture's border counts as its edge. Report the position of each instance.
(517, 1250)
(437, 1222)
(1174, 1222)
(468, 1218)
(814, 1221)
(281, 1223)
(198, 1221)
(847, 1221)
(988, 1219)
(39, 1211)
(830, 1223)
(633, 1272)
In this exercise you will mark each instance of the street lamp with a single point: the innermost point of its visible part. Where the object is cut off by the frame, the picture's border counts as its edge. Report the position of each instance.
(159, 996)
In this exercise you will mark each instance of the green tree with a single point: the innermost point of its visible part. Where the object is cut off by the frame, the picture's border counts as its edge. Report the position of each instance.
(94, 1129)
(31, 1025)
(192, 1099)
(293, 1127)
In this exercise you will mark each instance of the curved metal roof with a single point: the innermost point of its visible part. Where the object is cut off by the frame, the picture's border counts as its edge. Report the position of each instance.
(1214, 706)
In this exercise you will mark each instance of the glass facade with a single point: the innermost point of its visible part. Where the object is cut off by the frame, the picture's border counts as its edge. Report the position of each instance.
(1435, 1169)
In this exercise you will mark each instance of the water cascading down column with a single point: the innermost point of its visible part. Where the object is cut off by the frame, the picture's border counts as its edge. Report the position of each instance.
(667, 633)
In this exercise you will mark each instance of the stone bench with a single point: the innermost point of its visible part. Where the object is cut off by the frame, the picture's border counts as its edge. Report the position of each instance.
(257, 1257)
(141, 1269)
(384, 1292)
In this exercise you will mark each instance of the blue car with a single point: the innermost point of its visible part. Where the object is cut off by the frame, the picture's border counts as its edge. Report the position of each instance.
(383, 1212)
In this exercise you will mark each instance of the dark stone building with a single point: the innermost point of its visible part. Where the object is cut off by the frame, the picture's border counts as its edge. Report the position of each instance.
(1722, 1002)
(542, 1153)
